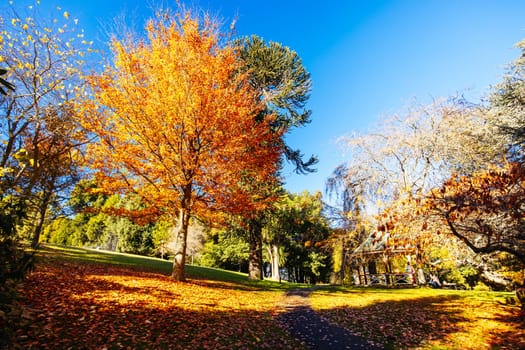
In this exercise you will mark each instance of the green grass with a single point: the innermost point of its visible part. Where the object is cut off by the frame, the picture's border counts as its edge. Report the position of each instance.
(145, 263)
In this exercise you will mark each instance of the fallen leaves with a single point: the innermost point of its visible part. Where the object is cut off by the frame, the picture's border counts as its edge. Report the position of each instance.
(99, 306)
(425, 318)
(85, 306)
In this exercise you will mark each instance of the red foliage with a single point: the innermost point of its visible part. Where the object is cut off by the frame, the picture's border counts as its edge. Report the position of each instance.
(485, 210)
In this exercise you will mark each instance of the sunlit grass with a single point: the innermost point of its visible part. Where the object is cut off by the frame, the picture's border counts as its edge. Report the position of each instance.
(74, 292)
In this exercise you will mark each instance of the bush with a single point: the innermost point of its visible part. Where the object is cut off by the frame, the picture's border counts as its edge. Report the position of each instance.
(481, 287)
(14, 264)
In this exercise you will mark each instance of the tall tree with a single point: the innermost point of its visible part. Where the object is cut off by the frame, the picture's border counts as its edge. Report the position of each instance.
(284, 85)
(39, 138)
(410, 154)
(175, 124)
(296, 227)
(346, 189)
(508, 105)
(276, 72)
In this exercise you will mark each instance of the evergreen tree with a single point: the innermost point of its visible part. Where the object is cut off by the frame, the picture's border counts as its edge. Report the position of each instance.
(284, 85)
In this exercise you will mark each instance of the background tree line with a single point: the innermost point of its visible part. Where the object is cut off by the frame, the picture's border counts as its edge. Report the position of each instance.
(447, 179)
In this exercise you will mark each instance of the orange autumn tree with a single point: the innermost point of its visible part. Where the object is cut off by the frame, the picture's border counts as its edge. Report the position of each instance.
(175, 122)
(485, 210)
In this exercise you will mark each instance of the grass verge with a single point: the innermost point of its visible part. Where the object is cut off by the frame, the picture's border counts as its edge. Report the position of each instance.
(48, 252)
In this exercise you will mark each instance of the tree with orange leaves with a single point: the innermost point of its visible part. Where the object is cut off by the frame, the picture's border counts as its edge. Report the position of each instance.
(175, 124)
(485, 210)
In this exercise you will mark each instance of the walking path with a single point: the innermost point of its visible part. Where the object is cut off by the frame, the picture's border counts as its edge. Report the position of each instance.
(315, 331)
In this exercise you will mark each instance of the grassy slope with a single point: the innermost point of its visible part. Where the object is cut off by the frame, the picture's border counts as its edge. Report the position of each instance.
(95, 256)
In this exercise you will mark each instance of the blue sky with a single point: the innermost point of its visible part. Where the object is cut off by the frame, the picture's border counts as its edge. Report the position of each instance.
(367, 59)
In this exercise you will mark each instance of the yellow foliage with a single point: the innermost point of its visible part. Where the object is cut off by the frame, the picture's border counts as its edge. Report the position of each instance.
(177, 115)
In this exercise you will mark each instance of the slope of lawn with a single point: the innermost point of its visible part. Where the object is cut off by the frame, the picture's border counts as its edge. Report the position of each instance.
(425, 318)
(95, 256)
(89, 299)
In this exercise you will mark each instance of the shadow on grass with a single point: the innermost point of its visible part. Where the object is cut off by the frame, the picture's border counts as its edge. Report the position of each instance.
(423, 318)
(400, 323)
(514, 339)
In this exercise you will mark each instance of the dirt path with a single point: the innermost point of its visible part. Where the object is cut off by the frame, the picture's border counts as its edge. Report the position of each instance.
(316, 332)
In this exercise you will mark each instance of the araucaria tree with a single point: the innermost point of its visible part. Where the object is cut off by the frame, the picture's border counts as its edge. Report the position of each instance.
(175, 124)
(277, 74)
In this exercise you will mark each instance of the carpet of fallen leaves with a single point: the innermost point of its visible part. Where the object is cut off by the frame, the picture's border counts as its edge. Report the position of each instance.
(425, 318)
(71, 305)
(80, 306)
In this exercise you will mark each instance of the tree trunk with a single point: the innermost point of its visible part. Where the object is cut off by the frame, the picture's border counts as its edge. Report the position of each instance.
(276, 274)
(255, 260)
(179, 262)
(494, 281)
(44, 203)
(343, 263)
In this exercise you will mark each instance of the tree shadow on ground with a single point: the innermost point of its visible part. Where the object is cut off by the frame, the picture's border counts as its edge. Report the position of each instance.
(82, 306)
(416, 321)
(514, 339)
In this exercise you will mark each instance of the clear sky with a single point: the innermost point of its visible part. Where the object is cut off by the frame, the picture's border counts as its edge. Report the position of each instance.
(367, 59)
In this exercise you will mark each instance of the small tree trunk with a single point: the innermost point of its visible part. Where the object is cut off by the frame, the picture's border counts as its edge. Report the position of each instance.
(276, 274)
(179, 262)
(255, 260)
(343, 263)
(270, 253)
(44, 203)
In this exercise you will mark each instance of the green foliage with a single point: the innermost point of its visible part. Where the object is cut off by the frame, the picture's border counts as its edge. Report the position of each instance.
(299, 227)
(50, 234)
(284, 84)
(93, 225)
(161, 236)
(84, 196)
(12, 211)
(226, 250)
(316, 263)
(481, 287)
(278, 73)
(469, 274)
(132, 238)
